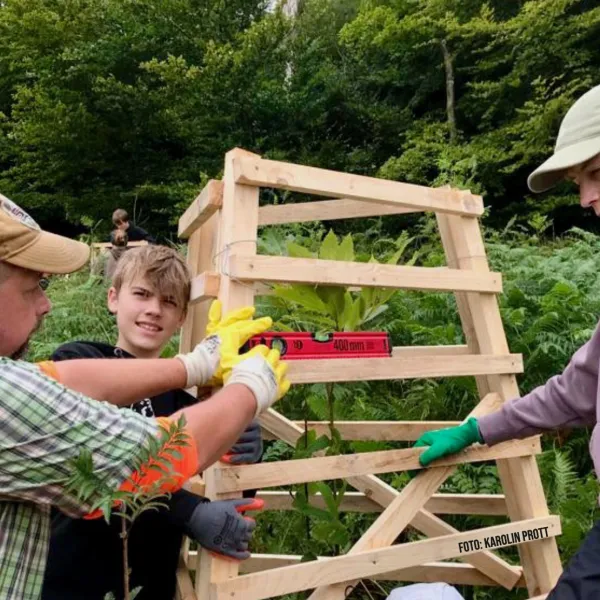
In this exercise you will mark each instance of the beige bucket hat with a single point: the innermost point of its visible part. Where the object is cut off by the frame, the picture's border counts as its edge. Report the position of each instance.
(24, 244)
(578, 141)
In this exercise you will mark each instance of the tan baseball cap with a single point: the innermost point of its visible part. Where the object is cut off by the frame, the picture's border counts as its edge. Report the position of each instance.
(24, 244)
(578, 141)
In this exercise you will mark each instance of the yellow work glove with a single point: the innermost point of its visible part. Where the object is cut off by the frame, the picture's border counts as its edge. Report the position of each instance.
(263, 372)
(225, 337)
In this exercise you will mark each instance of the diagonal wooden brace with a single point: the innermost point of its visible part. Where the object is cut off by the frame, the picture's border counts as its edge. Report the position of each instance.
(382, 493)
(402, 510)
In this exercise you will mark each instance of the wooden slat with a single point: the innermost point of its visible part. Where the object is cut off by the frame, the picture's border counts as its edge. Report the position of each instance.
(104, 245)
(389, 431)
(185, 586)
(263, 475)
(412, 351)
(285, 269)
(384, 494)
(452, 573)
(405, 506)
(480, 314)
(326, 210)
(288, 580)
(205, 287)
(206, 204)
(374, 369)
(450, 504)
(333, 184)
(239, 227)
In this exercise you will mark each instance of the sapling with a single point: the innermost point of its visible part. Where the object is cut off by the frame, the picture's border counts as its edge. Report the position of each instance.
(129, 505)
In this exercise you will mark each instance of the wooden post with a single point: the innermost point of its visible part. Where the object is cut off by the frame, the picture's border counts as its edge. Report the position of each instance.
(484, 332)
(237, 232)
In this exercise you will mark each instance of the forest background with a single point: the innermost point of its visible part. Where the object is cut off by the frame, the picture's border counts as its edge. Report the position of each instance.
(133, 103)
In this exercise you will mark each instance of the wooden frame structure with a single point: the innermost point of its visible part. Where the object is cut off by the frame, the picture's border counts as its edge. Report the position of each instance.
(222, 225)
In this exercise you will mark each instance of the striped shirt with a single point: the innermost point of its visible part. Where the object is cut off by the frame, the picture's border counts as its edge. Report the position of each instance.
(43, 427)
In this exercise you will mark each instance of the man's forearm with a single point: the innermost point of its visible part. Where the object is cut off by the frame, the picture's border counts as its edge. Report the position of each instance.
(217, 423)
(123, 381)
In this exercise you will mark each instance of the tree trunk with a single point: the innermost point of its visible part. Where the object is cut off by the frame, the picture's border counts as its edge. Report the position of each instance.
(450, 111)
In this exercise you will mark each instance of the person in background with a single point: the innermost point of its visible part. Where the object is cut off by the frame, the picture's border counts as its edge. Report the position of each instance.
(119, 239)
(121, 221)
(149, 296)
(571, 399)
(50, 413)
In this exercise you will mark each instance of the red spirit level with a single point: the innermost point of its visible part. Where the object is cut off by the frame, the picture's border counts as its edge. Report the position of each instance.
(304, 346)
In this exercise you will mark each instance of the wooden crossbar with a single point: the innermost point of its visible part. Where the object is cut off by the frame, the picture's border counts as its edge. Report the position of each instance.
(206, 204)
(326, 210)
(374, 369)
(284, 269)
(264, 475)
(322, 182)
(453, 573)
(449, 504)
(204, 287)
(377, 431)
(288, 580)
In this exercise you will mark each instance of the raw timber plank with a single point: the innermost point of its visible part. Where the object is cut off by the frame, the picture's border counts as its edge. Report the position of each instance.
(204, 287)
(295, 578)
(325, 210)
(452, 573)
(206, 204)
(262, 475)
(239, 227)
(333, 184)
(396, 367)
(285, 269)
(484, 332)
(380, 431)
(449, 504)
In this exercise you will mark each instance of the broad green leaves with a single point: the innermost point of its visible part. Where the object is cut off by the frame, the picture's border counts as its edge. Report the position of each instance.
(333, 307)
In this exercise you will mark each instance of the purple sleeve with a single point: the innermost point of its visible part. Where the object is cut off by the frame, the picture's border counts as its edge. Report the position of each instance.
(566, 400)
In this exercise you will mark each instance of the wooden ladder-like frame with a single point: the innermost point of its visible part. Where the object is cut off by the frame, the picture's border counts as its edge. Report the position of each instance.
(222, 227)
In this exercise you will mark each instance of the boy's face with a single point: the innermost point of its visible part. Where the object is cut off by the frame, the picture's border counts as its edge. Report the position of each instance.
(146, 321)
(122, 225)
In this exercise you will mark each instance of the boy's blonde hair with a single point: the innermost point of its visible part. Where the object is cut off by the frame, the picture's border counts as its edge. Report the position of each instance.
(162, 267)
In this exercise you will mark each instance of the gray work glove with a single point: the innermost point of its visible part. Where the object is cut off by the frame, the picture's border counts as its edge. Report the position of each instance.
(249, 447)
(220, 527)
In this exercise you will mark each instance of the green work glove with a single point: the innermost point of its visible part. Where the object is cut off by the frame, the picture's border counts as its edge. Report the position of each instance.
(443, 442)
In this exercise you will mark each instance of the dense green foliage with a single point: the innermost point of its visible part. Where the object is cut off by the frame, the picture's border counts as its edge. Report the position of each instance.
(133, 102)
(549, 308)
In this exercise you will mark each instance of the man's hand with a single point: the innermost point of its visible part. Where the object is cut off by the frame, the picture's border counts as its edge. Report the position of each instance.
(249, 447)
(221, 527)
(263, 373)
(443, 442)
(204, 365)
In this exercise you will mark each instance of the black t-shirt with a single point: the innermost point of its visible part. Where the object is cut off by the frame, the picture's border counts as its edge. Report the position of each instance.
(136, 234)
(85, 558)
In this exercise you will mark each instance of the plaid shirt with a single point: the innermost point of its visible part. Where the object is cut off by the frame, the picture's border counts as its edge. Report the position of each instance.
(43, 426)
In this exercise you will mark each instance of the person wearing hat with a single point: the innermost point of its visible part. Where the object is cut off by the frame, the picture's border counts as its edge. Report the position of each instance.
(46, 421)
(571, 399)
(426, 591)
